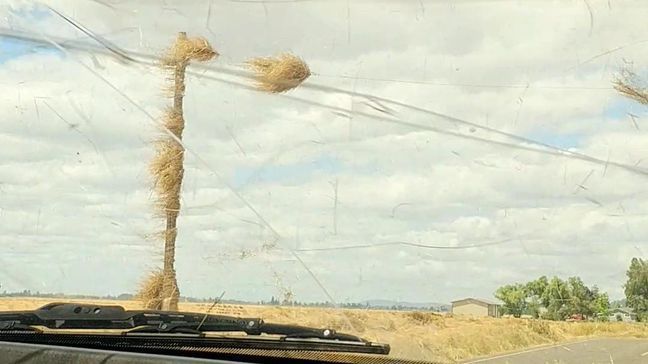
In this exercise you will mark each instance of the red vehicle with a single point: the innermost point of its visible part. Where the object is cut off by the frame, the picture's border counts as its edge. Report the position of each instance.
(576, 317)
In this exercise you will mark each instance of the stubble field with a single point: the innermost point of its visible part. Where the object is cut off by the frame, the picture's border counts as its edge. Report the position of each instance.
(412, 335)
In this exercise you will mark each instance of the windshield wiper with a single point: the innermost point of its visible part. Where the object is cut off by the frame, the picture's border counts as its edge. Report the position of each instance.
(135, 324)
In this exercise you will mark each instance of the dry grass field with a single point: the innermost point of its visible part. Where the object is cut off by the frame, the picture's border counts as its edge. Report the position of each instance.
(412, 335)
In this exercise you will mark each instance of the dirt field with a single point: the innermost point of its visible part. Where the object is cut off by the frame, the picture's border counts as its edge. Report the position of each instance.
(412, 335)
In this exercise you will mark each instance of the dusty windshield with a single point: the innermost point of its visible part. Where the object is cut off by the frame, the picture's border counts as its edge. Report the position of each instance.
(455, 179)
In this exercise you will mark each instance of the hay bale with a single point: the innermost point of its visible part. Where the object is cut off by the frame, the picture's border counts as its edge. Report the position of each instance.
(280, 73)
(188, 49)
(150, 291)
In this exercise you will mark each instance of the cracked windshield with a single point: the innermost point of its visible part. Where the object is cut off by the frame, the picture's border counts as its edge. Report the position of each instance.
(460, 180)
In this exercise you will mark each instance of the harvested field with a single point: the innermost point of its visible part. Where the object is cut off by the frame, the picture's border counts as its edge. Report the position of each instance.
(412, 335)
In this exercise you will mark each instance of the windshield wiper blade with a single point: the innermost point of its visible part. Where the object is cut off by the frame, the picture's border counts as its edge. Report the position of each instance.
(250, 327)
(74, 316)
(17, 326)
(70, 316)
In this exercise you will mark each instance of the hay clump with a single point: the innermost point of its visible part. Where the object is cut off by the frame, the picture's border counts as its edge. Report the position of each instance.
(150, 291)
(167, 171)
(174, 122)
(278, 74)
(188, 49)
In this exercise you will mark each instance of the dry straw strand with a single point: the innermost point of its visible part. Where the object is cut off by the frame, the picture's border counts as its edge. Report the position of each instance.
(629, 85)
(278, 74)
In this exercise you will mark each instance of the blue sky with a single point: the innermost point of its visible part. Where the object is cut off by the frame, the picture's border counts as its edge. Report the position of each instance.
(13, 48)
(36, 13)
(287, 173)
(616, 110)
(619, 107)
(561, 140)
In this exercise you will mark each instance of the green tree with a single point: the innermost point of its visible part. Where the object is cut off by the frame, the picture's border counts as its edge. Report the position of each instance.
(555, 298)
(535, 291)
(581, 297)
(636, 288)
(537, 287)
(514, 297)
(601, 305)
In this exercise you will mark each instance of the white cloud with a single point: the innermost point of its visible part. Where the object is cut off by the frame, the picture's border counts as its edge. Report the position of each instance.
(77, 204)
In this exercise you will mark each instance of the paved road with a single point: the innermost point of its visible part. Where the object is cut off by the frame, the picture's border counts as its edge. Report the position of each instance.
(597, 351)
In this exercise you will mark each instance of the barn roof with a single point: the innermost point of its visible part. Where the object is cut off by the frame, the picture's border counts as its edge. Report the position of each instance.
(483, 300)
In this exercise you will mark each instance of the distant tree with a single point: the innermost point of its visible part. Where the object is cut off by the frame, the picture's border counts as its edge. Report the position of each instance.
(580, 297)
(601, 305)
(538, 286)
(555, 298)
(514, 297)
(636, 288)
(535, 291)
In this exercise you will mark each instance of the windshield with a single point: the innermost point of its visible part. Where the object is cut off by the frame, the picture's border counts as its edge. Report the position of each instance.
(455, 179)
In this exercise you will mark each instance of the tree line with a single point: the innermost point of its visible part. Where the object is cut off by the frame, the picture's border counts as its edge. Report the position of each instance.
(274, 301)
(558, 299)
(636, 288)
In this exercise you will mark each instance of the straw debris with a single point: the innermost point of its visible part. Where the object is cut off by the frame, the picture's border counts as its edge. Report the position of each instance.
(170, 294)
(629, 85)
(280, 73)
(161, 289)
(150, 291)
(188, 49)
(167, 171)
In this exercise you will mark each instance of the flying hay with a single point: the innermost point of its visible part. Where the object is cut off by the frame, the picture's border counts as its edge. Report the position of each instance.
(188, 49)
(278, 74)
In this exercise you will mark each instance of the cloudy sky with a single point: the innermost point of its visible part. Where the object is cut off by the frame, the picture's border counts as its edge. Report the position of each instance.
(76, 205)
